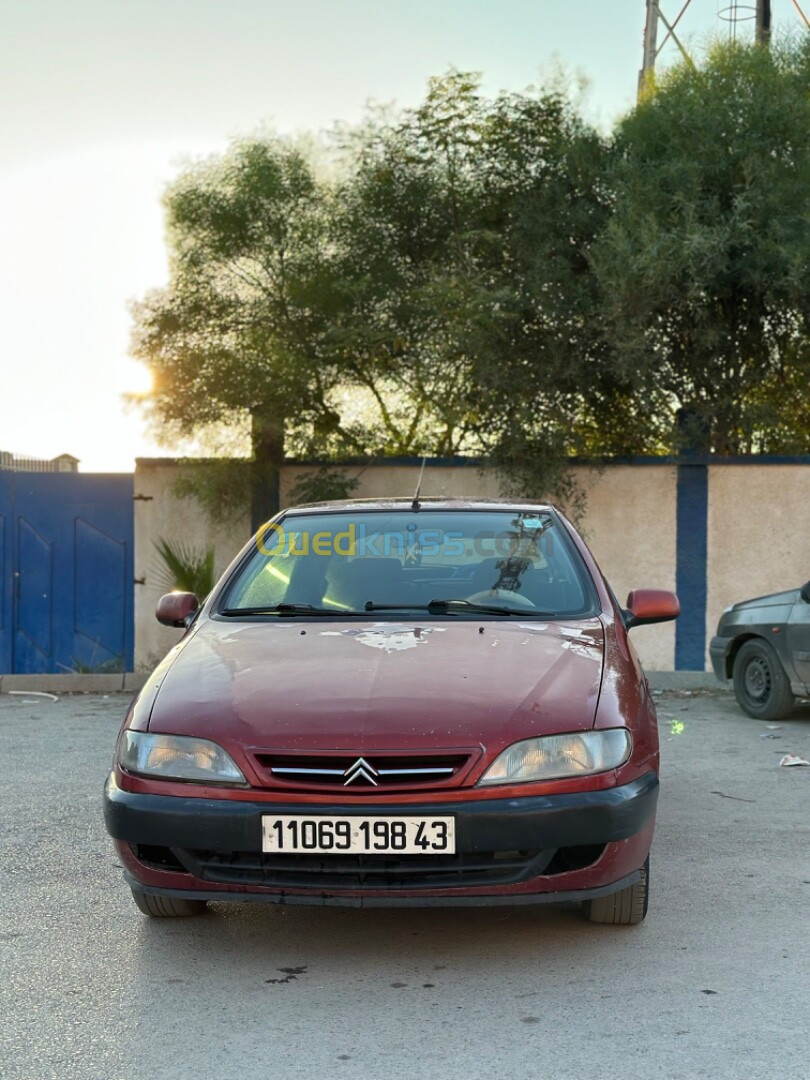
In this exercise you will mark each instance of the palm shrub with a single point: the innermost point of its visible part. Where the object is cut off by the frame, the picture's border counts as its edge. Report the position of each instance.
(185, 567)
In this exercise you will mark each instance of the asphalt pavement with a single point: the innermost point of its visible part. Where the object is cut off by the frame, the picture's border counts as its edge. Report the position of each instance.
(715, 983)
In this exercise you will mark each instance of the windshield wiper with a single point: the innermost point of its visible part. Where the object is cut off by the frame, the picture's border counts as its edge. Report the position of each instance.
(434, 607)
(441, 607)
(289, 609)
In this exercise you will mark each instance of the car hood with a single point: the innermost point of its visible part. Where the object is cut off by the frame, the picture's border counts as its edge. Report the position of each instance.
(781, 599)
(362, 686)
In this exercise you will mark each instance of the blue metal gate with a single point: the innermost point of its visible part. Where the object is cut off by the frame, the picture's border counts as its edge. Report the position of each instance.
(66, 572)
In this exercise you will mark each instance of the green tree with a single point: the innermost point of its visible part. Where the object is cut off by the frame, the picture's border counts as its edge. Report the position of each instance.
(492, 277)
(545, 383)
(705, 264)
(434, 296)
(240, 330)
(414, 239)
(471, 316)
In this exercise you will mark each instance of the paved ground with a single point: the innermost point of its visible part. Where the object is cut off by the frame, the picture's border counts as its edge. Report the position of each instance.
(714, 984)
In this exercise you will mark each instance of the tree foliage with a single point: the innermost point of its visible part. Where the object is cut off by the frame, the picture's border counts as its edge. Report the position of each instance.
(241, 327)
(491, 276)
(467, 225)
(705, 263)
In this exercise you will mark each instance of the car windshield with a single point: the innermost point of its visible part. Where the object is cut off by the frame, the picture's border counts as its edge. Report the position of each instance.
(448, 563)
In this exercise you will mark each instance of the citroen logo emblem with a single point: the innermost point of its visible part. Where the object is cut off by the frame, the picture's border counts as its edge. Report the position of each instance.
(361, 770)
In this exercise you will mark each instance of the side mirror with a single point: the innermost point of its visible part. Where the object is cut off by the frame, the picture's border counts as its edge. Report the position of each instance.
(645, 606)
(176, 608)
(805, 592)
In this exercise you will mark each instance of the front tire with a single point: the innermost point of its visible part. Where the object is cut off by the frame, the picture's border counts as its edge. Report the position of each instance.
(167, 907)
(760, 683)
(624, 908)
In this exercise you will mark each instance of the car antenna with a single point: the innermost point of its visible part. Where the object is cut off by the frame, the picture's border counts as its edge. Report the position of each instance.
(415, 503)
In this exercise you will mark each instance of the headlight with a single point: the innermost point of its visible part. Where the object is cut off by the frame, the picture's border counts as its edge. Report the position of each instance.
(552, 757)
(177, 757)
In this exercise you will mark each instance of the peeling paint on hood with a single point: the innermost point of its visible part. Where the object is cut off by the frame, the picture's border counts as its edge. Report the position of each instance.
(390, 637)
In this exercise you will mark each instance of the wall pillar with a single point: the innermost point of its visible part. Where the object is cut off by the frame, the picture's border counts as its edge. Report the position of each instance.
(690, 571)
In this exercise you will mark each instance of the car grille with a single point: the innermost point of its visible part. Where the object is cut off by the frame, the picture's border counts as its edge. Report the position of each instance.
(366, 872)
(366, 773)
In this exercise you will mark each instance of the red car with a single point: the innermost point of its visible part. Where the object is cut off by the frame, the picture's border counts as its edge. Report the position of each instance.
(396, 703)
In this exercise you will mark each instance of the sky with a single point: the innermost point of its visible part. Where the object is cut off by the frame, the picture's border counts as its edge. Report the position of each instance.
(103, 102)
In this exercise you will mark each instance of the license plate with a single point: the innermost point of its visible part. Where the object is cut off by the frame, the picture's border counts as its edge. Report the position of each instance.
(297, 834)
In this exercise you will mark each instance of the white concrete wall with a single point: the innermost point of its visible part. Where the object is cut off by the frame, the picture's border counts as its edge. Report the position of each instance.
(159, 514)
(629, 525)
(392, 481)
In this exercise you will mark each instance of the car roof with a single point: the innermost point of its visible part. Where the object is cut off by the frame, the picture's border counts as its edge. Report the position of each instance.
(426, 502)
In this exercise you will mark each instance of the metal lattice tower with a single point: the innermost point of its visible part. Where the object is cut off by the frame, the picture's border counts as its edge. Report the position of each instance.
(733, 12)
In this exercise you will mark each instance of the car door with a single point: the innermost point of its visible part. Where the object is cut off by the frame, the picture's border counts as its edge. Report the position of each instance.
(798, 635)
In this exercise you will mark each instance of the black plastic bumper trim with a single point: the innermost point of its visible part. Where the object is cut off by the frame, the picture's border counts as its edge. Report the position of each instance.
(719, 648)
(370, 901)
(532, 822)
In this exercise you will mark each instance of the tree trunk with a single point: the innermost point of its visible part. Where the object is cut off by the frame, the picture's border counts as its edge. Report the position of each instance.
(267, 440)
(694, 430)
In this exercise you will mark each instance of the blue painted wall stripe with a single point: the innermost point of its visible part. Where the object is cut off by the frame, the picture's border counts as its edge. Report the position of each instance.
(690, 573)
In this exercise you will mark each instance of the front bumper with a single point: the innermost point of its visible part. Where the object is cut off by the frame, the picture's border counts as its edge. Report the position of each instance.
(719, 649)
(540, 847)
